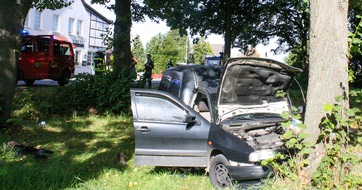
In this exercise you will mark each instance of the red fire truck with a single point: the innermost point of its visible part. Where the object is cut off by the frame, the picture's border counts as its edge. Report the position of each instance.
(46, 57)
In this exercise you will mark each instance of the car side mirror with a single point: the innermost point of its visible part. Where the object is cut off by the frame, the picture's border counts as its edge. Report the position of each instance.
(189, 119)
(301, 109)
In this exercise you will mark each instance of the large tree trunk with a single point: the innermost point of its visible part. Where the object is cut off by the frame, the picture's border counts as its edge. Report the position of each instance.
(12, 15)
(328, 76)
(228, 32)
(122, 35)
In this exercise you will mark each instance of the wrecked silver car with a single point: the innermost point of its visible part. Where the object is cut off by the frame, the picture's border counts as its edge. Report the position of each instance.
(225, 119)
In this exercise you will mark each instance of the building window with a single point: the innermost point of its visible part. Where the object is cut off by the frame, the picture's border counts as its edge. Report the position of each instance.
(55, 23)
(71, 25)
(37, 19)
(98, 28)
(79, 27)
(77, 57)
(90, 58)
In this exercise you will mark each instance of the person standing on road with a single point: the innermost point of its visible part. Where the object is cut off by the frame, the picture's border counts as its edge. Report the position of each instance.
(134, 61)
(148, 70)
(169, 64)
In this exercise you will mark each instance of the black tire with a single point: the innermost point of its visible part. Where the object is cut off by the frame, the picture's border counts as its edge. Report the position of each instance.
(218, 173)
(17, 77)
(64, 78)
(29, 82)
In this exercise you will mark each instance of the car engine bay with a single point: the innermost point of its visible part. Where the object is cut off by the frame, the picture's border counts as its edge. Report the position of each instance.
(259, 136)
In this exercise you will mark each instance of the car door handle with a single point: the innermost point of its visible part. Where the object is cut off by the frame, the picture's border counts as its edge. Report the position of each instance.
(144, 129)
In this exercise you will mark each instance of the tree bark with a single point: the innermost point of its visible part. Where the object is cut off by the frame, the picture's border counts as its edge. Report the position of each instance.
(12, 16)
(328, 75)
(228, 33)
(122, 36)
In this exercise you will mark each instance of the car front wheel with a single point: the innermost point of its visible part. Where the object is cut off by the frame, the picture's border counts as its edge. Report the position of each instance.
(29, 82)
(218, 173)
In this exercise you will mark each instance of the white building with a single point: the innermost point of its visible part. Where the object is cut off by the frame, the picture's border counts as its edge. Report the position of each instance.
(79, 23)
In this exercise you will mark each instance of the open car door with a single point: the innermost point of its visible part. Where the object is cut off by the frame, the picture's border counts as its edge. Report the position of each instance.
(167, 132)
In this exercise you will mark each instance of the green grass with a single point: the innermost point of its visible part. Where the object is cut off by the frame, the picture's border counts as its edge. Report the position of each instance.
(85, 158)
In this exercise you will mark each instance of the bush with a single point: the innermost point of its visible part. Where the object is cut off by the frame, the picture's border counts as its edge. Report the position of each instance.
(99, 94)
(40, 102)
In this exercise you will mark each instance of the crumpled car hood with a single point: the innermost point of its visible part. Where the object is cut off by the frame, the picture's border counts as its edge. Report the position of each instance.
(251, 85)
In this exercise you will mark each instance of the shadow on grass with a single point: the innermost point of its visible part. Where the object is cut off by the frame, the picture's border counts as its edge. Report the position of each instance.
(83, 150)
(179, 171)
(182, 172)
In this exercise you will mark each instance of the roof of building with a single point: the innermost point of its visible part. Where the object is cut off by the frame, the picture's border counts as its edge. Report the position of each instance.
(93, 11)
(217, 48)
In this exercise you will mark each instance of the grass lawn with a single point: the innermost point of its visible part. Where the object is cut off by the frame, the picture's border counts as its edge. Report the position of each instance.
(84, 157)
(85, 150)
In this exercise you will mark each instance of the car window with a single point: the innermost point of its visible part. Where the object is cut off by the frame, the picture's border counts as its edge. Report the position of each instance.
(165, 84)
(171, 85)
(27, 46)
(201, 106)
(65, 48)
(175, 87)
(61, 48)
(43, 44)
(157, 109)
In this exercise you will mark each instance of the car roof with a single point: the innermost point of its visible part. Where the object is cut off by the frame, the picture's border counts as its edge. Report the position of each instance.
(193, 77)
(202, 72)
(207, 76)
(210, 86)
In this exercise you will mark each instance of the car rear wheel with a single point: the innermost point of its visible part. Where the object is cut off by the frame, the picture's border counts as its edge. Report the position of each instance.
(218, 173)
(64, 78)
(29, 82)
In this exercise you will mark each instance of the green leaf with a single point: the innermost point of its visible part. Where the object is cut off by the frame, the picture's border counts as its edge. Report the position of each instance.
(293, 140)
(301, 126)
(305, 151)
(280, 93)
(354, 49)
(337, 147)
(299, 146)
(317, 174)
(359, 33)
(325, 120)
(285, 115)
(305, 162)
(350, 112)
(288, 135)
(341, 98)
(288, 144)
(356, 41)
(344, 122)
(303, 135)
(328, 108)
(286, 124)
(264, 162)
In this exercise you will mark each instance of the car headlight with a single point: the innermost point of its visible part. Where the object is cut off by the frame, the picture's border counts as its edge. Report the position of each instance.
(260, 155)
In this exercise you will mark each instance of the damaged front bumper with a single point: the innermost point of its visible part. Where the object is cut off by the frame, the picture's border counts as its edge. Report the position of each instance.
(249, 172)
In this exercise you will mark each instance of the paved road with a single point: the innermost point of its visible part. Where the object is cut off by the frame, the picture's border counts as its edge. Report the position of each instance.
(48, 82)
(45, 82)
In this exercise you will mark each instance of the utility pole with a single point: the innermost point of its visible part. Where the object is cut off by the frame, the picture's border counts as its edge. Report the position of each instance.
(186, 49)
